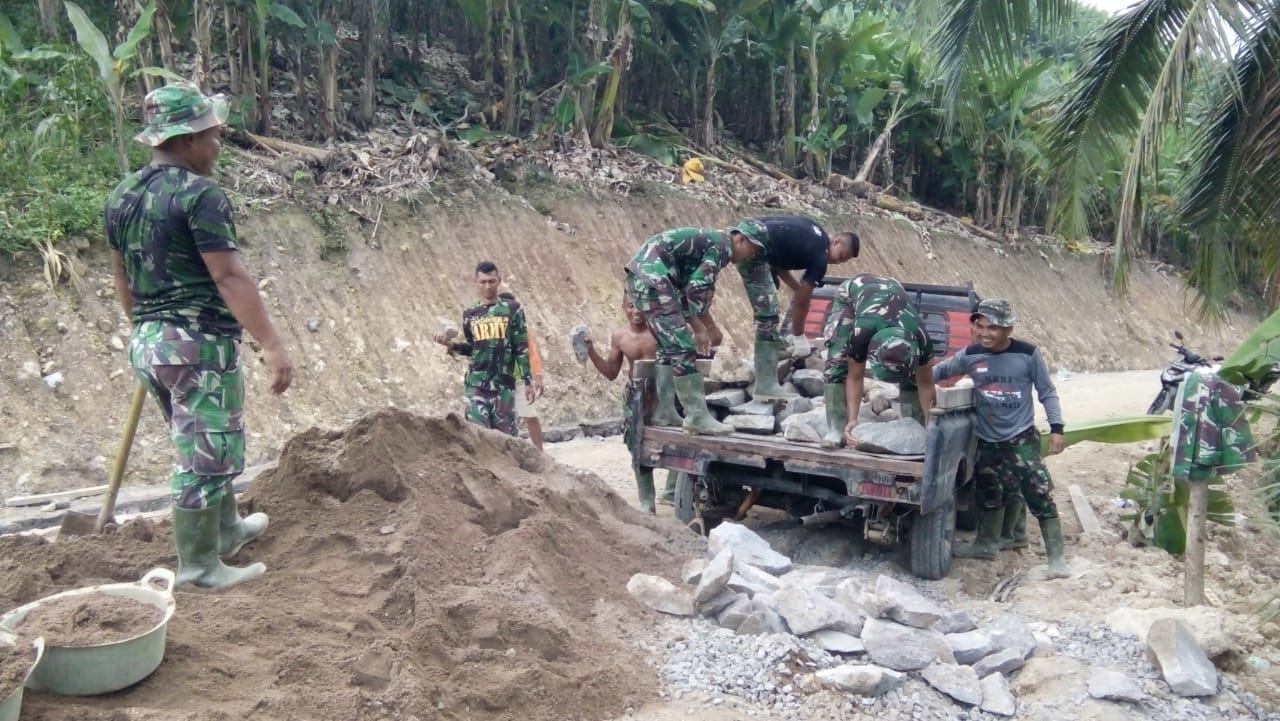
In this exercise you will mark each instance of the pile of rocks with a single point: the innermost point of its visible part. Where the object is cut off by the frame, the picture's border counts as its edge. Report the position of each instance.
(820, 628)
(804, 419)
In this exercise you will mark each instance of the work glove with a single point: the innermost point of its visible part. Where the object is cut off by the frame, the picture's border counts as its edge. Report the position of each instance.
(800, 347)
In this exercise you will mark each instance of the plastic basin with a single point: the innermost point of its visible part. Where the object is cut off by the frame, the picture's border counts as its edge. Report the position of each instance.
(11, 705)
(93, 670)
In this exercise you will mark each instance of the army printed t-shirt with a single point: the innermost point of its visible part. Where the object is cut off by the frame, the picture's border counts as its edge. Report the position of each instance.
(161, 219)
(497, 340)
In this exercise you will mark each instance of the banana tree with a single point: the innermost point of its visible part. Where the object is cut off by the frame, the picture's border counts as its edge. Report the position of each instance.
(114, 66)
(264, 10)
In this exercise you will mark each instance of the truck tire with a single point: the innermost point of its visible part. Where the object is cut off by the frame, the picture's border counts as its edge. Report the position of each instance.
(685, 510)
(932, 536)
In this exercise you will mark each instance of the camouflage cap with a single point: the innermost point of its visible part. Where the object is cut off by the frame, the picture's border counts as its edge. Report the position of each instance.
(892, 356)
(754, 231)
(180, 109)
(996, 310)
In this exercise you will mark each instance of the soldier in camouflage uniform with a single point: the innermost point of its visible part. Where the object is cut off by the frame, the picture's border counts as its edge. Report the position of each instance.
(874, 323)
(671, 280)
(497, 341)
(1010, 476)
(795, 243)
(180, 279)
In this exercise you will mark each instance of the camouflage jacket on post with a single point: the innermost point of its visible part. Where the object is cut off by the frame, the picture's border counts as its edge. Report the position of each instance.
(683, 263)
(1211, 435)
(161, 219)
(497, 340)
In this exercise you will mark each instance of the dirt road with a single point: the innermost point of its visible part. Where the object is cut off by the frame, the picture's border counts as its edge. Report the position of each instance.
(1108, 573)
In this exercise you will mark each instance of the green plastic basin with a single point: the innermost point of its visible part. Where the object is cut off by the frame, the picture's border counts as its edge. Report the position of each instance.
(11, 705)
(93, 670)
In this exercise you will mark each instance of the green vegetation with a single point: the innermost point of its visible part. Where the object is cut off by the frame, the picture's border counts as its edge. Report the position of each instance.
(1149, 127)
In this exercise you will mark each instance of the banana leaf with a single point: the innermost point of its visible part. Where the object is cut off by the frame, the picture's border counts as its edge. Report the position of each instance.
(1256, 354)
(1128, 429)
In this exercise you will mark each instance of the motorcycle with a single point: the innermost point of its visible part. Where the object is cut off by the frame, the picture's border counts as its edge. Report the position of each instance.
(1173, 375)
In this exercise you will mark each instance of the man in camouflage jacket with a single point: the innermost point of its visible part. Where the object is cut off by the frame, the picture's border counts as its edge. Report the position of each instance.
(671, 281)
(180, 279)
(497, 341)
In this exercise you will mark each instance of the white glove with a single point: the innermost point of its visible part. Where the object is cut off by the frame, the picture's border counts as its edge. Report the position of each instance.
(800, 347)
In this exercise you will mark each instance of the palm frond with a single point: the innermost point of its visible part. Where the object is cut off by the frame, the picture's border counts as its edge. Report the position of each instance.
(1232, 194)
(988, 33)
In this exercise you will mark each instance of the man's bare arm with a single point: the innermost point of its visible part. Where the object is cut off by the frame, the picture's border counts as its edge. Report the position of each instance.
(800, 307)
(609, 367)
(237, 288)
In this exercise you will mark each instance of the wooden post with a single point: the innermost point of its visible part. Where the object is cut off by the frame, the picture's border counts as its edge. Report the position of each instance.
(1197, 510)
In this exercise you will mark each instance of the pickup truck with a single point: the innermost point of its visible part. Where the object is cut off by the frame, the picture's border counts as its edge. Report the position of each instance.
(891, 499)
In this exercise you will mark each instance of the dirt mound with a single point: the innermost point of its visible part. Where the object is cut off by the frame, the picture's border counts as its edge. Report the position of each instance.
(418, 568)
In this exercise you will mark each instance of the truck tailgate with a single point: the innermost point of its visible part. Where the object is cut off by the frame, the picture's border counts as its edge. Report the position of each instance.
(669, 447)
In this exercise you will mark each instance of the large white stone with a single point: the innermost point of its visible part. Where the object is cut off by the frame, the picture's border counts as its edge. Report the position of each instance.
(837, 642)
(691, 572)
(904, 436)
(903, 648)
(870, 681)
(806, 427)
(1008, 632)
(996, 696)
(661, 595)
(720, 602)
(735, 613)
(751, 580)
(1005, 662)
(809, 382)
(762, 620)
(1185, 666)
(727, 398)
(753, 408)
(747, 547)
(1115, 686)
(714, 577)
(759, 425)
(906, 605)
(955, 622)
(971, 646)
(959, 682)
(804, 610)
(1208, 625)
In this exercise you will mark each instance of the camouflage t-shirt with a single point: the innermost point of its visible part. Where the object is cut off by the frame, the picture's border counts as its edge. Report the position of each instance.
(683, 263)
(161, 219)
(497, 339)
(878, 303)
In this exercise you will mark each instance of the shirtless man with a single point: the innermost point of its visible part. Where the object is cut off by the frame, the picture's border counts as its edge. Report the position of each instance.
(632, 343)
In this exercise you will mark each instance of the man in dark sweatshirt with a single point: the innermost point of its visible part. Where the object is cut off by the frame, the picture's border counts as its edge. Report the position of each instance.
(1011, 478)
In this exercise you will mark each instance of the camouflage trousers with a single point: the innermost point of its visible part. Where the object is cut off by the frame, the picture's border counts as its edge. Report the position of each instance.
(757, 278)
(665, 317)
(492, 408)
(1007, 469)
(195, 378)
(839, 333)
(632, 411)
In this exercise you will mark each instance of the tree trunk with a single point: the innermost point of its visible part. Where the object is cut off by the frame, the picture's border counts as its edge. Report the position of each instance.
(619, 60)
(202, 22)
(1197, 510)
(486, 48)
(329, 76)
(509, 71)
(587, 93)
(982, 198)
(789, 107)
(771, 80)
(162, 28)
(1004, 193)
(369, 46)
(50, 13)
(815, 102)
(264, 77)
(709, 107)
(1017, 206)
(882, 141)
(233, 58)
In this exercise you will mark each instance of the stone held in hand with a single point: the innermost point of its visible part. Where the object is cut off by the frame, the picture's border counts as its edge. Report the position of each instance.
(748, 547)
(578, 338)
(660, 595)
(903, 437)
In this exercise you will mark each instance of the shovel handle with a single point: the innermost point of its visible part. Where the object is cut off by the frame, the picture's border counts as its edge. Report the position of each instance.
(108, 512)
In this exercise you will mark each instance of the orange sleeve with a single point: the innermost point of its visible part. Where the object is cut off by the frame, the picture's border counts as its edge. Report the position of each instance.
(535, 362)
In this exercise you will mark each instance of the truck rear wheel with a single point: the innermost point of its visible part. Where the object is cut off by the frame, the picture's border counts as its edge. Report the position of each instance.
(685, 509)
(932, 536)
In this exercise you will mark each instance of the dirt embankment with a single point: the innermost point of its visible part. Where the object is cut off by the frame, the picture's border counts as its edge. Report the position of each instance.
(417, 568)
(357, 311)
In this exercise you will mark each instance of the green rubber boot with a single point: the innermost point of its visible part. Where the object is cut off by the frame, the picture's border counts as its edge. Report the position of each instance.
(196, 531)
(1051, 531)
(837, 415)
(987, 545)
(766, 387)
(235, 531)
(1014, 531)
(697, 418)
(668, 496)
(665, 414)
(644, 489)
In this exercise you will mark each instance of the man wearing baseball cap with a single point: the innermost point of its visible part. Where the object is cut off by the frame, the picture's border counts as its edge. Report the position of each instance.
(671, 280)
(1011, 477)
(182, 283)
(874, 325)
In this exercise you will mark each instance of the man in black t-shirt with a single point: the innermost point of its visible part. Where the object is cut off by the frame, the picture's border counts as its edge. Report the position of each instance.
(795, 243)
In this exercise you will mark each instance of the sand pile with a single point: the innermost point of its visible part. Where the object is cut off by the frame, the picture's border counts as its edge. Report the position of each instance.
(419, 568)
